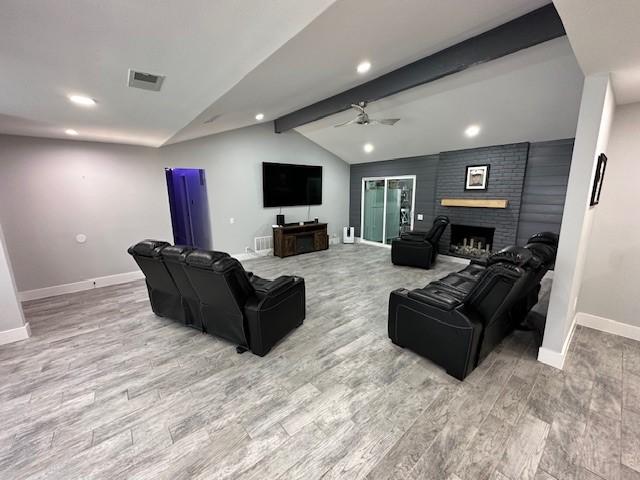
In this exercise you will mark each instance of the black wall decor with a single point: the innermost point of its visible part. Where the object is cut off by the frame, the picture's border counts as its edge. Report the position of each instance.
(598, 179)
(477, 177)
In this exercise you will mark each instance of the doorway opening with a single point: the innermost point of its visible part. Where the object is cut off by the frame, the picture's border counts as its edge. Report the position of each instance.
(187, 188)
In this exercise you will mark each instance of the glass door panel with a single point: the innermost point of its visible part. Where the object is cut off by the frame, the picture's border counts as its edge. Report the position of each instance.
(399, 207)
(373, 210)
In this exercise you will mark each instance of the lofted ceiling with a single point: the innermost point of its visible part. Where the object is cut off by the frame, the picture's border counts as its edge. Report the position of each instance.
(50, 49)
(532, 95)
(224, 60)
(604, 36)
(320, 61)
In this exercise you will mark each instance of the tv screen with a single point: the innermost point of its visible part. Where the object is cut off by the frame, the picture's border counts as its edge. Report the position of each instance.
(285, 185)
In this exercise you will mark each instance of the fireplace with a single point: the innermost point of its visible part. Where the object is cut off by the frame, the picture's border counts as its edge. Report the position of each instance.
(471, 242)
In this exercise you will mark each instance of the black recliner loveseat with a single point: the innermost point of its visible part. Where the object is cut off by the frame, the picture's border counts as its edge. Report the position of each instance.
(457, 320)
(243, 308)
(212, 292)
(419, 249)
(164, 295)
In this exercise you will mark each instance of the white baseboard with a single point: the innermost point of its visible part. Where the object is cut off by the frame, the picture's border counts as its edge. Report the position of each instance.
(607, 325)
(553, 358)
(79, 286)
(251, 255)
(15, 334)
(244, 256)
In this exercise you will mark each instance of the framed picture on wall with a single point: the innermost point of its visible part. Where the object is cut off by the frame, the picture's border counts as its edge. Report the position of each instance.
(598, 179)
(477, 177)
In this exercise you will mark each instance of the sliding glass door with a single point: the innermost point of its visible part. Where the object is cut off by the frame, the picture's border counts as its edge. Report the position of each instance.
(373, 210)
(387, 208)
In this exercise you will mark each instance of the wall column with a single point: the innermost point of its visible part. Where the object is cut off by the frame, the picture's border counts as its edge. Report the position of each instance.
(12, 324)
(594, 121)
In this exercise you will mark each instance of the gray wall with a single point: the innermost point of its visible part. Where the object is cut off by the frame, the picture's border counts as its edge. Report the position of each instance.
(52, 190)
(424, 168)
(506, 176)
(536, 193)
(233, 164)
(610, 281)
(545, 188)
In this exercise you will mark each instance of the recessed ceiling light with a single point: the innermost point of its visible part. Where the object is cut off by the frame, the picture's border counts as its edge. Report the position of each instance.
(368, 148)
(82, 100)
(71, 131)
(259, 116)
(472, 130)
(363, 67)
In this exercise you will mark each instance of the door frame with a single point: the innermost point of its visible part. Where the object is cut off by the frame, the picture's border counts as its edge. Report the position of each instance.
(386, 179)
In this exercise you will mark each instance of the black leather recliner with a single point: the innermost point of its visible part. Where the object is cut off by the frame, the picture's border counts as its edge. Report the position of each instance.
(174, 256)
(457, 320)
(250, 311)
(164, 295)
(545, 246)
(419, 249)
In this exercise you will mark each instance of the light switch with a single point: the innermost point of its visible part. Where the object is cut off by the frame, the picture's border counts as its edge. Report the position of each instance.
(420, 216)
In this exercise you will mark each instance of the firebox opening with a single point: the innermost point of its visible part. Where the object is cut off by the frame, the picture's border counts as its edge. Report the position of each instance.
(471, 242)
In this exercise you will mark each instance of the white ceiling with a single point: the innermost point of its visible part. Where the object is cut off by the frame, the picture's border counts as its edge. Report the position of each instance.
(320, 61)
(605, 37)
(226, 58)
(532, 95)
(49, 49)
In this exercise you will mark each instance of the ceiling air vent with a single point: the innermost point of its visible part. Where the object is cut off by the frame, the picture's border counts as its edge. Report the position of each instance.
(146, 81)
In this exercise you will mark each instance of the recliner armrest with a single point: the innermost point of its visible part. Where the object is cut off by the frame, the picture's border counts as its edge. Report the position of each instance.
(435, 296)
(414, 236)
(274, 312)
(274, 287)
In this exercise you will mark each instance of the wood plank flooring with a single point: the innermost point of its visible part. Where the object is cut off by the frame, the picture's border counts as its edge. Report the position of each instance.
(106, 390)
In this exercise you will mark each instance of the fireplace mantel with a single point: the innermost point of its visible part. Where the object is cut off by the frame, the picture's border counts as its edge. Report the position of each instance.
(474, 202)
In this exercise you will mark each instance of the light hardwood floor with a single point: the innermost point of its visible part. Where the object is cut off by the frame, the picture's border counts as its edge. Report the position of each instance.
(105, 389)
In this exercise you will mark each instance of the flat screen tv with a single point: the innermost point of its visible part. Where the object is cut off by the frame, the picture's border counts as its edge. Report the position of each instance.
(285, 185)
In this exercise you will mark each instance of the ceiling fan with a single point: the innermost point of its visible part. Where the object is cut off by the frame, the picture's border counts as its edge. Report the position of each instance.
(364, 119)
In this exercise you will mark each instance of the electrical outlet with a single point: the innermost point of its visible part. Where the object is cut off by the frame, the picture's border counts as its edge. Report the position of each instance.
(420, 217)
(232, 220)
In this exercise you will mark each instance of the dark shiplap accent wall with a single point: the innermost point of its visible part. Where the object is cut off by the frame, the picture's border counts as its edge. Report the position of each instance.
(545, 188)
(424, 168)
(543, 191)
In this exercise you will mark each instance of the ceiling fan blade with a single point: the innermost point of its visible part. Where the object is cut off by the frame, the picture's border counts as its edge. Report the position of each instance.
(344, 124)
(385, 121)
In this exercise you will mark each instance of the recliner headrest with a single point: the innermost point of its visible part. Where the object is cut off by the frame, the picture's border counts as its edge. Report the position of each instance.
(546, 253)
(547, 238)
(517, 256)
(176, 253)
(148, 248)
(227, 264)
(205, 259)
